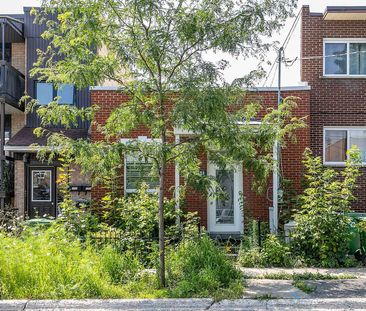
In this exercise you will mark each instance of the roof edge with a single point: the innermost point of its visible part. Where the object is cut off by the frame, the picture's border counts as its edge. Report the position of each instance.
(251, 89)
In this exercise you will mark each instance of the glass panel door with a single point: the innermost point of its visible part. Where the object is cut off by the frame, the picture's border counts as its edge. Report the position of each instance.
(41, 189)
(41, 185)
(224, 206)
(225, 199)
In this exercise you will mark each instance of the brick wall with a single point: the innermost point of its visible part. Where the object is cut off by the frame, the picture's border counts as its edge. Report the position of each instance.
(334, 101)
(257, 205)
(17, 122)
(18, 56)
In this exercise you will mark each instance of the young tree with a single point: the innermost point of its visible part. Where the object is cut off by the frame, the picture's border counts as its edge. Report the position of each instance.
(156, 51)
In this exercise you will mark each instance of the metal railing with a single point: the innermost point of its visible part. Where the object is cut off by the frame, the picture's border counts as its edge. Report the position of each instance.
(7, 180)
(12, 83)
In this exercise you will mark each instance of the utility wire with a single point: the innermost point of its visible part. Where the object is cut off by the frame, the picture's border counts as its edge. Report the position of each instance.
(292, 30)
(284, 45)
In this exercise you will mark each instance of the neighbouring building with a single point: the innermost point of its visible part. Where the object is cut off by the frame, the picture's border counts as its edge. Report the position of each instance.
(28, 185)
(333, 97)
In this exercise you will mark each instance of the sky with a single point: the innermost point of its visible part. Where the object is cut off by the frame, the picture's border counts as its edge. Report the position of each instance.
(240, 67)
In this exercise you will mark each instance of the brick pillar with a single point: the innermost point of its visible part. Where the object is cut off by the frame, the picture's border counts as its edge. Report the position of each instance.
(17, 122)
(18, 56)
(19, 186)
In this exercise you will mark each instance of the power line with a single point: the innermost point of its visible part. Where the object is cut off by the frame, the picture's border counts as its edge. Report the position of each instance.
(292, 30)
(274, 74)
(325, 56)
(284, 45)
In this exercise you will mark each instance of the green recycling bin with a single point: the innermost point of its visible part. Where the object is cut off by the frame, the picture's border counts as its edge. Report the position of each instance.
(356, 236)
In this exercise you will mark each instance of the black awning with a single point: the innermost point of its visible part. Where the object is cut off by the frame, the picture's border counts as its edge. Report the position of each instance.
(25, 136)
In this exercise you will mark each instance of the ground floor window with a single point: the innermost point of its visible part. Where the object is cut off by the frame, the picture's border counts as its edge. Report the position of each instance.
(137, 171)
(338, 140)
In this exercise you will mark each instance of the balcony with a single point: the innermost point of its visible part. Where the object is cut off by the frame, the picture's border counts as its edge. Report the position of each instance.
(12, 85)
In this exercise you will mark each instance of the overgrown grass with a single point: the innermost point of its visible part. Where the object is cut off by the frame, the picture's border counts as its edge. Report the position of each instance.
(50, 264)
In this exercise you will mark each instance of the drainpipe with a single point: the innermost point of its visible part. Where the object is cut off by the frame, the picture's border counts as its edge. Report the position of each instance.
(276, 159)
(2, 121)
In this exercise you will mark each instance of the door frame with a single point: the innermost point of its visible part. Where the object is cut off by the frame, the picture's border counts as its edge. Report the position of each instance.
(238, 226)
(29, 182)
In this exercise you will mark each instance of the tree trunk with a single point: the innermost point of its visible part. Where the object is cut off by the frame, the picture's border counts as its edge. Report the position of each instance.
(161, 223)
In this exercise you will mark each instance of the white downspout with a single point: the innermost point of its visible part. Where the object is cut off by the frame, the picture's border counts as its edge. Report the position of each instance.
(177, 181)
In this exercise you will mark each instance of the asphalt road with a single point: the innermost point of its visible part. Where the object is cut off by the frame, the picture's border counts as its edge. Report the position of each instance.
(187, 304)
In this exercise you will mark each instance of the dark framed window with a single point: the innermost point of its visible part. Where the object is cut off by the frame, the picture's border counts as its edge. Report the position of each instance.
(66, 92)
(47, 92)
(44, 93)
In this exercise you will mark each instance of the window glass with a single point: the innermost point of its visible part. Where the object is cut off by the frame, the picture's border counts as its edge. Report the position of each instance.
(44, 93)
(137, 172)
(335, 145)
(41, 185)
(336, 58)
(225, 201)
(7, 127)
(357, 58)
(66, 94)
(358, 138)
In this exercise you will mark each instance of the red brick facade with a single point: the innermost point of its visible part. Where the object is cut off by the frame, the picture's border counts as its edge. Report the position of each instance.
(256, 205)
(334, 101)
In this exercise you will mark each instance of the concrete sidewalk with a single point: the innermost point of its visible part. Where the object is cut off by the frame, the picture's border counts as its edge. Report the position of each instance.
(185, 304)
(267, 283)
(258, 272)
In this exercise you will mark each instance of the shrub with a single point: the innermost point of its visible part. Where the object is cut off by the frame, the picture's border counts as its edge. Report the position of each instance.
(251, 257)
(198, 268)
(137, 214)
(322, 229)
(274, 253)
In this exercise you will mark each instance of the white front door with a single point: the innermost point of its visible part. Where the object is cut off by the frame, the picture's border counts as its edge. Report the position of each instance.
(225, 211)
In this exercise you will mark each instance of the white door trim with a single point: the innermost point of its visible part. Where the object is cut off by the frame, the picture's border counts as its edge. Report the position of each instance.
(238, 226)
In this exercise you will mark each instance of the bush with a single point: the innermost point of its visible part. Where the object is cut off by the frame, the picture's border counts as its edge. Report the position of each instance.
(274, 253)
(198, 268)
(251, 257)
(322, 231)
(137, 214)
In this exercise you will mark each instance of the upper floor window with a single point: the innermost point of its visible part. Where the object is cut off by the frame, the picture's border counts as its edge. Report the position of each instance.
(345, 58)
(46, 92)
(338, 140)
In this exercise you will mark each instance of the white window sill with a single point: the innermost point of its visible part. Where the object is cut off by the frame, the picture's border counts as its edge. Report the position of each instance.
(342, 77)
(340, 164)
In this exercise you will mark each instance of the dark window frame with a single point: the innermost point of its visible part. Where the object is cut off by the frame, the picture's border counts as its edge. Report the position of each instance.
(54, 92)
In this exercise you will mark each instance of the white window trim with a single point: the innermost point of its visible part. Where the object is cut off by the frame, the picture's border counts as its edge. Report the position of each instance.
(126, 141)
(347, 41)
(340, 128)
